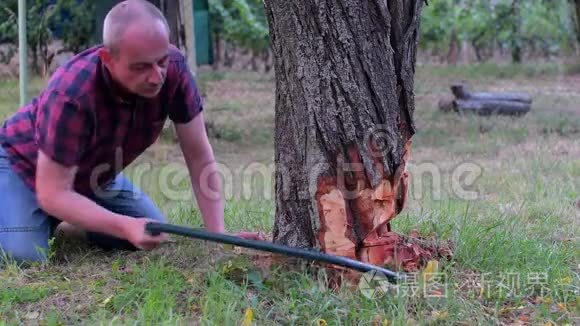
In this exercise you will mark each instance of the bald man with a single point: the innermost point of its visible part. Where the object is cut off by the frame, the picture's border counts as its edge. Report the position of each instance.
(62, 154)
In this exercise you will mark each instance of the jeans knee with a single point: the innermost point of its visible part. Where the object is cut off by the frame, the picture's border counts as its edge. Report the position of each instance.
(24, 252)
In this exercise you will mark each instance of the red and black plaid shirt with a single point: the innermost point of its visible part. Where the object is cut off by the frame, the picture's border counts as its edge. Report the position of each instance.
(82, 119)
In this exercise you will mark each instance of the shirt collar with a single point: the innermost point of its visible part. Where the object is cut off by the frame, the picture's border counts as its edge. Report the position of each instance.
(118, 92)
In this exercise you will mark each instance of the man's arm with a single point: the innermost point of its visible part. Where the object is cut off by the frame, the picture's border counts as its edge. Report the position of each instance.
(202, 168)
(57, 197)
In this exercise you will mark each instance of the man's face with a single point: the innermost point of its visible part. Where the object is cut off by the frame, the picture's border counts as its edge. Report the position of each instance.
(140, 65)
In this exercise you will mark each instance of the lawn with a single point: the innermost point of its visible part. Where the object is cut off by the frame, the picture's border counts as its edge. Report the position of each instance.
(514, 223)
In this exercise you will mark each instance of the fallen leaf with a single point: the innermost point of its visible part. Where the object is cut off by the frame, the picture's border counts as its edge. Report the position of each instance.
(562, 306)
(228, 247)
(440, 315)
(566, 280)
(431, 268)
(248, 317)
(321, 322)
(194, 308)
(524, 318)
(32, 315)
(505, 311)
(107, 300)
(379, 321)
(546, 300)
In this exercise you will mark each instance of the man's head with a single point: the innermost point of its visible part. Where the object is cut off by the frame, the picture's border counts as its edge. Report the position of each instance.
(136, 46)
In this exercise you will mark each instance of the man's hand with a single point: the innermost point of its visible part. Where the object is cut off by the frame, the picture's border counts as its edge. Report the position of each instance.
(134, 229)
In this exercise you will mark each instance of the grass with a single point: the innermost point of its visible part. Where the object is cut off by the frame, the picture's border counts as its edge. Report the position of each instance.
(516, 250)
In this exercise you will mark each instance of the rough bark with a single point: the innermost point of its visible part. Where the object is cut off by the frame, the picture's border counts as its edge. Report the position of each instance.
(217, 52)
(344, 122)
(516, 18)
(171, 10)
(577, 6)
(453, 53)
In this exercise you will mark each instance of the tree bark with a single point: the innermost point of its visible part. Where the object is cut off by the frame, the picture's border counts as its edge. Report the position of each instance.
(217, 51)
(266, 59)
(173, 15)
(577, 5)
(344, 122)
(516, 31)
(186, 10)
(453, 53)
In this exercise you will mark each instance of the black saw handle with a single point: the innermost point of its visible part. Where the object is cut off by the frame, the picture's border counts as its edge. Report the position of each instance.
(155, 228)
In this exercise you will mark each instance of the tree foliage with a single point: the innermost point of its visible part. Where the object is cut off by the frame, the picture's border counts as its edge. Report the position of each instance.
(76, 23)
(522, 27)
(241, 22)
(39, 16)
(69, 20)
(537, 26)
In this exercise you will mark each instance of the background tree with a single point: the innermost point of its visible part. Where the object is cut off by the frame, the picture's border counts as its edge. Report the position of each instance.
(76, 23)
(576, 4)
(39, 34)
(344, 121)
(239, 24)
(518, 29)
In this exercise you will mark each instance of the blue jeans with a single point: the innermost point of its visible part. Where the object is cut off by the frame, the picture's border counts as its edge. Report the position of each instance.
(25, 229)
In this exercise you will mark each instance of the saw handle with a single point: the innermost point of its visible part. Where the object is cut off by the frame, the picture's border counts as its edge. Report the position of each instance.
(152, 229)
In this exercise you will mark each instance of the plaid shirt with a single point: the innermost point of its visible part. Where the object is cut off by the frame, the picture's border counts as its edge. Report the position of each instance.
(82, 119)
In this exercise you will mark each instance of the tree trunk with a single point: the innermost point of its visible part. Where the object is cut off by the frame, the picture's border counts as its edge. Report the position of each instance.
(229, 54)
(187, 19)
(344, 122)
(266, 59)
(254, 60)
(516, 34)
(577, 5)
(453, 53)
(171, 10)
(217, 52)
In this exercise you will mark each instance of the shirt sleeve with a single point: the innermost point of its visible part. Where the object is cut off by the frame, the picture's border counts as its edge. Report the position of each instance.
(63, 129)
(186, 102)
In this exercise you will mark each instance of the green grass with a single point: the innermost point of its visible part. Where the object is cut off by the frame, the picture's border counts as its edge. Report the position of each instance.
(518, 239)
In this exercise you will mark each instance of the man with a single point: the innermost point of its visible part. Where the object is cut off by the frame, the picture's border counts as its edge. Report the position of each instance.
(99, 111)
